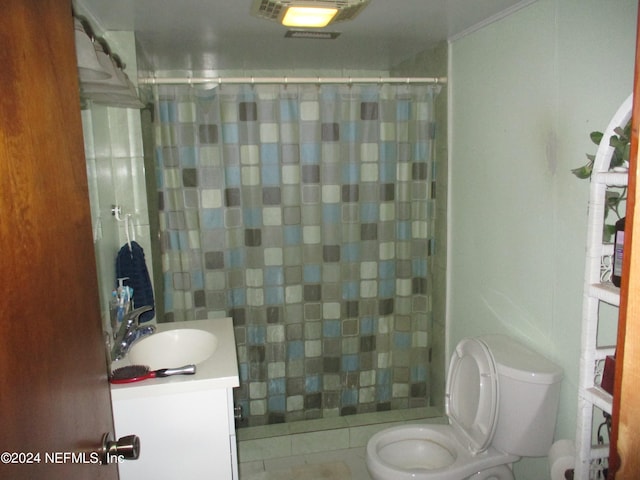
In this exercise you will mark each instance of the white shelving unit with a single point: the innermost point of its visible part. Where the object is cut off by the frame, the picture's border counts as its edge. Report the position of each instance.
(596, 291)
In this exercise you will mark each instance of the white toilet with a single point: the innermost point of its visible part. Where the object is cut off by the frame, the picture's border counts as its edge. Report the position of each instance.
(501, 400)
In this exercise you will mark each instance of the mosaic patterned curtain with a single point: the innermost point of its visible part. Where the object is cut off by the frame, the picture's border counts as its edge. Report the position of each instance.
(306, 213)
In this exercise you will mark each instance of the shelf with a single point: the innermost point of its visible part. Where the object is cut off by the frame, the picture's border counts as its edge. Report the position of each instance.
(611, 179)
(588, 465)
(599, 451)
(606, 292)
(603, 352)
(598, 397)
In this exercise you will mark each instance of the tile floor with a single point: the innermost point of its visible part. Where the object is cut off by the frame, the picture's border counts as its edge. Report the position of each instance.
(323, 449)
(323, 435)
(346, 464)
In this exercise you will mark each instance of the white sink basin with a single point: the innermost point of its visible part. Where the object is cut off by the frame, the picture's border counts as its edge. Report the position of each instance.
(209, 344)
(173, 348)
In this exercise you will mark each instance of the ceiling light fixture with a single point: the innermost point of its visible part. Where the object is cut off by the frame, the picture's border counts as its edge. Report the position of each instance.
(308, 17)
(307, 13)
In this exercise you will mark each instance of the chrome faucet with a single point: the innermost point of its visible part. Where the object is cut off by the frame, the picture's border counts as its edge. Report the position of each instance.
(130, 331)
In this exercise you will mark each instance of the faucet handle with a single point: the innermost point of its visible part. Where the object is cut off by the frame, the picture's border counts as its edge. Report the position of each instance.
(134, 315)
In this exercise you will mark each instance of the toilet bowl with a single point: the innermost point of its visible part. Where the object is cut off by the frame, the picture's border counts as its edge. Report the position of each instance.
(501, 401)
(430, 451)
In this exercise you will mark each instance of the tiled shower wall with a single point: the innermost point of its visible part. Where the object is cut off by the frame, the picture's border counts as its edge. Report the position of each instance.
(113, 143)
(116, 176)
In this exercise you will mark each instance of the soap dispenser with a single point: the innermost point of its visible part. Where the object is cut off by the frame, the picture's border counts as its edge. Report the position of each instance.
(120, 303)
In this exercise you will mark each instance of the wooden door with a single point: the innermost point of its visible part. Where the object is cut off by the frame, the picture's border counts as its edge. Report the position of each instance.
(54, 395)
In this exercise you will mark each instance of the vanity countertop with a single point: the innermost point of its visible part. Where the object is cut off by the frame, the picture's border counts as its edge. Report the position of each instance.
(220, 370)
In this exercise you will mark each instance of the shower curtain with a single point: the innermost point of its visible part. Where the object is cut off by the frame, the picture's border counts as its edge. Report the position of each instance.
(306, 213)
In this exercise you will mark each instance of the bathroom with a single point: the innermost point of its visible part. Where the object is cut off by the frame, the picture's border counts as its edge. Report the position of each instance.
(523, 93)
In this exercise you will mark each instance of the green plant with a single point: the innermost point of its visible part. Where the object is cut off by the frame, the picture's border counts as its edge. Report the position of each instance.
(621, 143)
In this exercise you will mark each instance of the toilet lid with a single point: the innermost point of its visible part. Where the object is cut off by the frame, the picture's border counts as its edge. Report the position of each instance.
(472, 394)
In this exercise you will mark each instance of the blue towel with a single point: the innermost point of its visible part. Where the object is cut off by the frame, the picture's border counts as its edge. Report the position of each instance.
(130, 263)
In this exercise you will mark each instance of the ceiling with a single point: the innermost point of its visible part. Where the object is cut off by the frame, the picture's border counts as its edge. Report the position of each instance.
(221, 35)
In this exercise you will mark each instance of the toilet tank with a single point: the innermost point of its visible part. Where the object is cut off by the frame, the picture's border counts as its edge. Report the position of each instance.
(529, 393)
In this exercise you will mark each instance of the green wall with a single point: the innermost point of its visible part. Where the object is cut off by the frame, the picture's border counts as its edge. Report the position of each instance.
(525, 92)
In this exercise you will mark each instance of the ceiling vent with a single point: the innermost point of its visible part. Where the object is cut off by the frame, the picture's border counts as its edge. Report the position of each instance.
(312, 34)
(275, 9)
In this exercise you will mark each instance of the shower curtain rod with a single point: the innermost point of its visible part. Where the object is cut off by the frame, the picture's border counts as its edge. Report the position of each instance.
(292, 80)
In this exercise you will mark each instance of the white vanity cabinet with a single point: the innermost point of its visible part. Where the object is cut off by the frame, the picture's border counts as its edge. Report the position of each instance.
(185, 423)
(186, 436)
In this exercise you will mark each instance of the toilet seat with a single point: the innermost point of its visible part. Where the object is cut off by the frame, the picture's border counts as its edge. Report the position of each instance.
(471, 395)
